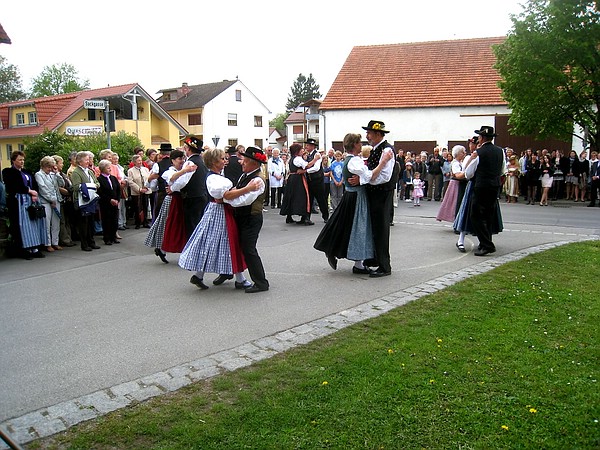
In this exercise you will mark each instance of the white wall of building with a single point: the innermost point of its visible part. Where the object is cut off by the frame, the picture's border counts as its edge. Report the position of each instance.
(410, 124)
(215, 118)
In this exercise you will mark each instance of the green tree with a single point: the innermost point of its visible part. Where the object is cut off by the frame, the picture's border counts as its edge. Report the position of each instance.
(303, 89)
(57, 79)
(10, 82)
(278, 122)
(550, 70)
(54, 143)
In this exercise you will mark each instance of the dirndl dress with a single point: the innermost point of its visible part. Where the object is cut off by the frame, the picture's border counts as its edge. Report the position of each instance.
(447, 210)
(214, 245)
(157, 230)
(33, 232)
(175, 237)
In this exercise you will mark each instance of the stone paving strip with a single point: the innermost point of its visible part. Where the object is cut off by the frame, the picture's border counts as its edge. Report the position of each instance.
(53, 419)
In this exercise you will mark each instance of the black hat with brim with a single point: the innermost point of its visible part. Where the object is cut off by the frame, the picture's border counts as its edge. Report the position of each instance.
(256, 154)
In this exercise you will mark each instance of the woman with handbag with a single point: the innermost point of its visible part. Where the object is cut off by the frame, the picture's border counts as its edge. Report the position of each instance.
(21, 192)
(50, 199)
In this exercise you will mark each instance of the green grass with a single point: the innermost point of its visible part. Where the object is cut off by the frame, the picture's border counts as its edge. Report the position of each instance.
(507, 359)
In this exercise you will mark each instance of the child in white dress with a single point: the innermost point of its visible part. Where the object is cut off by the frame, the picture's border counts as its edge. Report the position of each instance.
(417, 193)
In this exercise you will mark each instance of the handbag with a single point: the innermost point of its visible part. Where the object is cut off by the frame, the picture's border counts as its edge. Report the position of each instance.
(36, 211)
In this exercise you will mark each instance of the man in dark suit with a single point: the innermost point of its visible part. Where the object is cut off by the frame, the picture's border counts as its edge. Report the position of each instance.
(157, 170)
(233, 168)
(484, 206)
(194, 194)
(316, 180)
(595, 174)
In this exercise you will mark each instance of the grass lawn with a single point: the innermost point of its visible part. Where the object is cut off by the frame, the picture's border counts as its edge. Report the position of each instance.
(507, 359)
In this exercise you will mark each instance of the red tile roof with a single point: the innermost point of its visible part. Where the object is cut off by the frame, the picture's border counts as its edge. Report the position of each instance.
(54, 110)
(416, 75)
(4, 39)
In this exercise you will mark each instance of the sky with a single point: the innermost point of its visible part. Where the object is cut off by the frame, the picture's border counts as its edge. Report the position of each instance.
(265, 43)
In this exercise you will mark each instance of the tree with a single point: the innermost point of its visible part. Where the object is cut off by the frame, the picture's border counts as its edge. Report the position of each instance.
(57, 79)
(278, 122)
(550, 70)
(303, 89)
(10, 82)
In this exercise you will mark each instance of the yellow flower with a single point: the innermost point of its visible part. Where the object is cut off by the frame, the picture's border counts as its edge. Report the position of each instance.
(376, 126)
(439, 341)
(324, 383)
(532, 410)
(432, 381)
(390, 351)
(504, 427)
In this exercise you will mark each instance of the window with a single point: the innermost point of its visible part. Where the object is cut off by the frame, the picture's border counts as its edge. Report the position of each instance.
(21, 147)
(20, 119)
(238, 95)
(232, 142)
(194, 119)
(33, 118)
(317, 128)
(258, 121)
(8, 151)
(232, 120)
(258, 143)
(92, 114)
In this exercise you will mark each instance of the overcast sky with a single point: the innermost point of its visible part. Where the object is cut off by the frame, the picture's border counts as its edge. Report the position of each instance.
(266, 43)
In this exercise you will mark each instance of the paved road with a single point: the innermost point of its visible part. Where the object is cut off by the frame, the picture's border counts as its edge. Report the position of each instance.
(76, 322)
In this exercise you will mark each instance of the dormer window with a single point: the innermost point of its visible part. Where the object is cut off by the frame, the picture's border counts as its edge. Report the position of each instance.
(20, 119)
(32, 118)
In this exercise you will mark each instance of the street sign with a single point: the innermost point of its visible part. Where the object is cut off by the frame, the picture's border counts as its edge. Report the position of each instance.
(216, 140)
(94, 104)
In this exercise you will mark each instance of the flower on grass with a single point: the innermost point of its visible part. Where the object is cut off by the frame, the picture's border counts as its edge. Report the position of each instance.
(432, 381)
(504, 427)
(390, 351)
(324, 383)
(439, 341)
(532, 410)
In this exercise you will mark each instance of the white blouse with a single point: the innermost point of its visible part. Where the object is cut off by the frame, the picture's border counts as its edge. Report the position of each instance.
(357, 166)
(217, 185)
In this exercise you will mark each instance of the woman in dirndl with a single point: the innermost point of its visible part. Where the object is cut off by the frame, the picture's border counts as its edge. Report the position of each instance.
(21, 192)
(347, 233)
(448, 208)
(165, 234)
(214, 245)
(296, 201)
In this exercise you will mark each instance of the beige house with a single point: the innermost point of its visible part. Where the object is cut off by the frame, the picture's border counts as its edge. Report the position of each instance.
(135, 112)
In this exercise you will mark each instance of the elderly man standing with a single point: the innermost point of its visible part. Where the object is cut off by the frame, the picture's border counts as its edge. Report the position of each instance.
(380, 193)
(484, 206)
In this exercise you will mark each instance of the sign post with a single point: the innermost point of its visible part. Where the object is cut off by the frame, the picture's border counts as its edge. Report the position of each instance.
(216, 140)
(101, 104)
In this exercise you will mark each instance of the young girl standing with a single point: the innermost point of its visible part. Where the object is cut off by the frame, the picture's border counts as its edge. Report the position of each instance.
(417, 193)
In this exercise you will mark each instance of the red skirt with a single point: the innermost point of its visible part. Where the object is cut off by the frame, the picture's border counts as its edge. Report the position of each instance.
(175, 238)
(238, 263)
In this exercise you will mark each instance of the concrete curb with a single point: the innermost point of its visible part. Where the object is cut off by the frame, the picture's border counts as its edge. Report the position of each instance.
(54, 419)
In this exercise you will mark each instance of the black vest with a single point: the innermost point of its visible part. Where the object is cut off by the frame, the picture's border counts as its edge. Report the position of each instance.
(196, 187)
(318, 175)
(373, 162)
(257, 205)
(489, 168)
(163, 166)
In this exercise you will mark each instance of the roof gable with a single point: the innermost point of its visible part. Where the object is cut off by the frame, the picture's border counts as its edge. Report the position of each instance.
(418, 74)
(4, 39)
(195, 96)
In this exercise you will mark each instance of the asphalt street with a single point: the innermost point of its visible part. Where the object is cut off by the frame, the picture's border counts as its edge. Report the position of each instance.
(76, 322)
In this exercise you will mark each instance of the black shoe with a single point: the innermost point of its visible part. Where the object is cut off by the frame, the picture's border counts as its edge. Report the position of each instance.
(198, 282)
(86, 249)
(221, 279)
(364, 271)
(28, 256)
(161, 255)
(94, 247)
(242, 284)
(305, 222)
(137, 227)
(38, 254)
(483, 252)
(254, 288)
(108, 243)
(116, 242)
(370, 263)
(591, 205)
(379, 273)
(332, 260)
(289, 220)
(460, 247)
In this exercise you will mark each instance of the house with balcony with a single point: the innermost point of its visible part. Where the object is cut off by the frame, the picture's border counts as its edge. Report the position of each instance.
(303, 123)
(427, 93)
(135, 111)
(225, 113)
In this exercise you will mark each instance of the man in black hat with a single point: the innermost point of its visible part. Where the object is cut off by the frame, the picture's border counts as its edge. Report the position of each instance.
(195, 193)
(316, 180)
(484, 206)
(247, 199)
(380, 192)
(156, 174)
